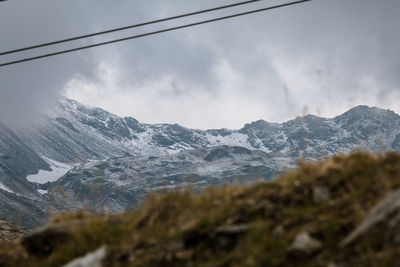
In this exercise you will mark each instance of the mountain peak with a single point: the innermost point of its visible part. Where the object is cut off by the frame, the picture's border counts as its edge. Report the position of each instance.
(363, 112)
(260, 125)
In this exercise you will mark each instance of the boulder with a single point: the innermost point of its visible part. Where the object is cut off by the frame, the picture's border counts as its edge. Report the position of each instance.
(232, 229)
(184, 255)
(305, 244)
(278, 231)
(92, 259)
(321, 194)
(385, 215)
(10, 231)
(42, 242)
(226, 237)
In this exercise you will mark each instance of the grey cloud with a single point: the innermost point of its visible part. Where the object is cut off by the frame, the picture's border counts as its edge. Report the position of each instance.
(26, 89)
(327, 55)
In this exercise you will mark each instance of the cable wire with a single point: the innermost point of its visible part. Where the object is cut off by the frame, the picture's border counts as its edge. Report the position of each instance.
(151, 33)
(126, 27)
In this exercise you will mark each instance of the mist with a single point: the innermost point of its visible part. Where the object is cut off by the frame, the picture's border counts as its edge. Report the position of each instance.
(321, 57)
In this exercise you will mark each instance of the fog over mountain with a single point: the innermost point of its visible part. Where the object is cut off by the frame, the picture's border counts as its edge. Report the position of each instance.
(321, 57)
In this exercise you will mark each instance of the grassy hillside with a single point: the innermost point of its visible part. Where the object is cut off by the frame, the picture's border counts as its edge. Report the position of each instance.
(318, 206)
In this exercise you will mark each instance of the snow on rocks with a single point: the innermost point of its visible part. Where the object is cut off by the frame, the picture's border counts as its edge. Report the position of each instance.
(5, 188)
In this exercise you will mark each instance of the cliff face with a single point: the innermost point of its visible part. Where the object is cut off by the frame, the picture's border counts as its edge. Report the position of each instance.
(343, 211)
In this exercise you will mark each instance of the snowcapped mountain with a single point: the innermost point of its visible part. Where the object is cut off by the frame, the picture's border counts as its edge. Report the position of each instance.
(75, 133)
(78, 156)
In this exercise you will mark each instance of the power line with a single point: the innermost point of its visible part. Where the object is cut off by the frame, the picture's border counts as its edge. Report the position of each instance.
(150, 33)
(126, 27)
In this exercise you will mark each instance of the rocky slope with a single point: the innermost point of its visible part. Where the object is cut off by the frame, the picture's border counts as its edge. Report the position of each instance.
(344, 211)
(119, 183)
(10, 231)
(76, 150)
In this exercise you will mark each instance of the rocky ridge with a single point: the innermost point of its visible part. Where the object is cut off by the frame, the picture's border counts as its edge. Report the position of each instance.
(10, 231)
(76, 149)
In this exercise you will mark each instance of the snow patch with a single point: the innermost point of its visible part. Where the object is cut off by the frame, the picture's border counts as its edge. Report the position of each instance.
(3, 187)
(58, 170)
(233, 139)
(42, 192)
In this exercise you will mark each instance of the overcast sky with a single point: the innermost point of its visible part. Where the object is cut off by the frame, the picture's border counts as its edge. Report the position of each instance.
(321, 57)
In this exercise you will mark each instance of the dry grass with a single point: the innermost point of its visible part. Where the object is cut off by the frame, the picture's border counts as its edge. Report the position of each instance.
(178, 228)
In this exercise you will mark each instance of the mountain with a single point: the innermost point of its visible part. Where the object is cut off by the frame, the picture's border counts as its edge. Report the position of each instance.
(78, 156)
